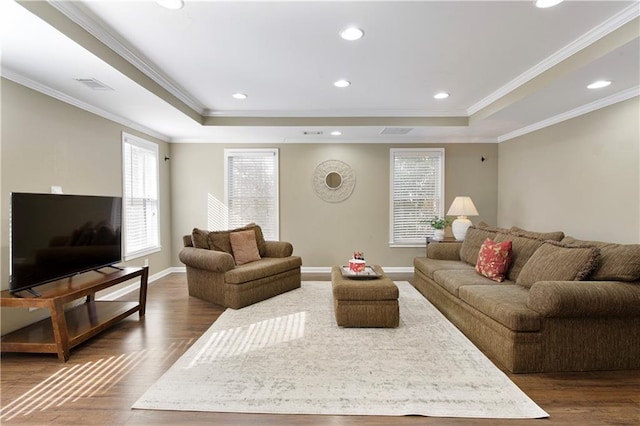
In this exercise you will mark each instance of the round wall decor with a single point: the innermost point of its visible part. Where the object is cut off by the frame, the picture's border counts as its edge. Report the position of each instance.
(333, 181)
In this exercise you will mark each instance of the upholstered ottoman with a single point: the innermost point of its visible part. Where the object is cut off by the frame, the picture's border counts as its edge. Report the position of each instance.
(365, 303)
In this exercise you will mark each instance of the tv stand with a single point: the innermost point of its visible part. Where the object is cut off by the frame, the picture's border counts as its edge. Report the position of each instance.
(67, 329)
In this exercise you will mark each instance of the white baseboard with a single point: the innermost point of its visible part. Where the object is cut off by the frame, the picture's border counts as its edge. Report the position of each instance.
(134, 286)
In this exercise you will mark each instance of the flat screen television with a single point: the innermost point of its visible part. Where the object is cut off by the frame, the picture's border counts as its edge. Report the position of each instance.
(56, 236)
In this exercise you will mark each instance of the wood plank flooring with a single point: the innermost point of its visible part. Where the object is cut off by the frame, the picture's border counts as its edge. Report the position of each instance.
(108, 373)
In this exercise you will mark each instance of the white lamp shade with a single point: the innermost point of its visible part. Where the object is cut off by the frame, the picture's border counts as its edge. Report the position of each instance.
(461, 207)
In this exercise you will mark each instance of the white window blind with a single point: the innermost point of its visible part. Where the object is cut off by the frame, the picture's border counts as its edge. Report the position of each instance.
(417, 191)
(141, 205)
(251, 183)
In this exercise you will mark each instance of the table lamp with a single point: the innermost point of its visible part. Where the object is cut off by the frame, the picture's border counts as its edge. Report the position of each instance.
(461, 207)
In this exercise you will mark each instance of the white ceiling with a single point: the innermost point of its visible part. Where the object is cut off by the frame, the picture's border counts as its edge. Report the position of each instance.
(510, 67)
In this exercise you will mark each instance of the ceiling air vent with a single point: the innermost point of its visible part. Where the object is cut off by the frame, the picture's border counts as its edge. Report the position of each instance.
(94, 84)
(312, 132)
(396, 130)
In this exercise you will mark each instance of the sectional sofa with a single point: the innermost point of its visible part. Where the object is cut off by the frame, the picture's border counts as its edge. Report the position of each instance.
(564, 304)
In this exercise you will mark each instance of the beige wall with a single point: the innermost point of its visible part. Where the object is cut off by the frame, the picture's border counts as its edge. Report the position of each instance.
(322, 233)
(581, 176)
(46, 142)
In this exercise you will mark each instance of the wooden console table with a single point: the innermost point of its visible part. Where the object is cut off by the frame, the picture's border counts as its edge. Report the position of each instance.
(67, 329)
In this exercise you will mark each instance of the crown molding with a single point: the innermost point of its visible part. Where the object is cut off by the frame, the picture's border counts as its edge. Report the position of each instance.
(333, 113)
(596, 33)
(77, 15)
(46, 90)
(581, 110)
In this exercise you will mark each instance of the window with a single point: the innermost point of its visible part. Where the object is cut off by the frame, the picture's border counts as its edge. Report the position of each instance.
(417, 189)
(251, 189)
(141, 206)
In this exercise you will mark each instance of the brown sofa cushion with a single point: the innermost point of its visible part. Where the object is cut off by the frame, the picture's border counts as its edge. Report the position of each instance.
(522, 248)
(472, 243)
(244, 246)
(200, 238)
(506, 304)
(618, 262)
(452, 280)
(555, 261)
(554, 236)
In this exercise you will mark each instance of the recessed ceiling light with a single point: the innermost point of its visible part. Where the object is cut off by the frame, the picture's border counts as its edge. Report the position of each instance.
(239, 96)
(336, 133)
(599, 84)
(352, 33)
(171, 4)
(543, 4)
(441, 95)
(342, 83)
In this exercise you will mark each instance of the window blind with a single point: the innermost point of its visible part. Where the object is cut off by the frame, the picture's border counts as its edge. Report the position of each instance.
(141, 206)
(252, 189)
(417, 190)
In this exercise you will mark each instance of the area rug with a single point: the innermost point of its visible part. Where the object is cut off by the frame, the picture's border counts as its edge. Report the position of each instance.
(286, 355)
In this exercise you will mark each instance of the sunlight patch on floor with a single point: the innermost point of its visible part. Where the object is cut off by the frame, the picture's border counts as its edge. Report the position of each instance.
(259, 335)
(69, 384)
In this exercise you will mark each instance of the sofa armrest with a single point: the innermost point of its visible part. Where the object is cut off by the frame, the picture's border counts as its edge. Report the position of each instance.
(444, 251)
(210, 260)
(571, 299)
(278, 249)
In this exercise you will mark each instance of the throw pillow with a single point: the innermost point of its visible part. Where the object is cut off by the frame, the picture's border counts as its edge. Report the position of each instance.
(200, 238)
(555, 236)
(219, 240)
(244, 246)
(618, 262)
(522, 249)
(472, 243)
(555, 261)
(493, 259)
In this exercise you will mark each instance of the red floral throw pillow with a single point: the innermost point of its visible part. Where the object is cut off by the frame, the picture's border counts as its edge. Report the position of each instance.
(493, 259)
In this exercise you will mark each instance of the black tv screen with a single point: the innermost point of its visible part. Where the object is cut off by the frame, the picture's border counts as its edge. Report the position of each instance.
(56, 236)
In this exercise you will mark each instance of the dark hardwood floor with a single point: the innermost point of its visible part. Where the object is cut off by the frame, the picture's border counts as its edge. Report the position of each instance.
(107, 374)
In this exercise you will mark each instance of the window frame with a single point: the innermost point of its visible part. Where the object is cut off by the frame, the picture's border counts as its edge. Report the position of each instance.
(418, 240)
(128, 139)
(238, 152)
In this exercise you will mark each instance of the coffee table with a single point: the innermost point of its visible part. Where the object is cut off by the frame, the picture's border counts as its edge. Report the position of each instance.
(365, 303)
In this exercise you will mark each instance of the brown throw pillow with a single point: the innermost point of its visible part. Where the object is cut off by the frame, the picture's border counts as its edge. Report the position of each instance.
(555, 236)
(618, 262)
(200, 238)
(244, 246)
(219, 240)
(555, 261)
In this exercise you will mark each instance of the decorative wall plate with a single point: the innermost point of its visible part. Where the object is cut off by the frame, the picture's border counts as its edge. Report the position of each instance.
(333, 181)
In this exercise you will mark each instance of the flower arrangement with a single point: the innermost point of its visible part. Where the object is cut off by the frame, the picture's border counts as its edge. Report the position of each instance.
(357, 263)
(440, 222)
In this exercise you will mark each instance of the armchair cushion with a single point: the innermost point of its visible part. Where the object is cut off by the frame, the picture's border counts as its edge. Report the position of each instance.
(219, 240)
(200, 238)
(244, 246)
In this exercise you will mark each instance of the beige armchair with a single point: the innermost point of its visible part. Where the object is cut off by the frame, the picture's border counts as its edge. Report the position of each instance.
(213, 275)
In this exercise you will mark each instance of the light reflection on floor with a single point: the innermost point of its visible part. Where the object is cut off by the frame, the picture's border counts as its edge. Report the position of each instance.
(71, 383)
(241, 340)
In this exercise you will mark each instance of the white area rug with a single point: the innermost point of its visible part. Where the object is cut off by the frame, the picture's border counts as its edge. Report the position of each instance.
(286, 355)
